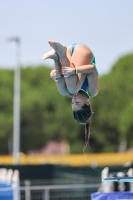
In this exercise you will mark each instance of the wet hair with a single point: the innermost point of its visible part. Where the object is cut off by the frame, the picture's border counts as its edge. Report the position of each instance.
(83, 116)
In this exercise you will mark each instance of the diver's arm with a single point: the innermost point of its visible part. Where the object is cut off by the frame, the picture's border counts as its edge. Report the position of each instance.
(85, 69)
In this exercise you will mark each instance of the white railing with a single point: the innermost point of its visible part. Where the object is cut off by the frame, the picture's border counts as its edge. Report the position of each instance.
(46, 189)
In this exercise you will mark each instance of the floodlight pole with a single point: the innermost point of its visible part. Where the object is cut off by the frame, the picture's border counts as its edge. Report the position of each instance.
(16, 103)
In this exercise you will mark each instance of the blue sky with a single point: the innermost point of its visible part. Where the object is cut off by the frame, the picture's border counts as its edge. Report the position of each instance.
(105, 26)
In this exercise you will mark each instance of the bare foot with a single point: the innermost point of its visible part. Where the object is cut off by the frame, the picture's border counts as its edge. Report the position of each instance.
(59, 48)
(50, 55)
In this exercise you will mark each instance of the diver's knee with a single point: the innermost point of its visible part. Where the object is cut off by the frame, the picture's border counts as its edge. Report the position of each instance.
(63, 92)
(72, 90)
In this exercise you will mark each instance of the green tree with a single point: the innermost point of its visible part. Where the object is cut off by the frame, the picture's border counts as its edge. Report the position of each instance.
(46, 115)
(112, 106)
(6, 109)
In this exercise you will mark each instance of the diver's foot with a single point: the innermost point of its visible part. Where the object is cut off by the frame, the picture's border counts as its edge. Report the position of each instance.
(59, 48)
(50, 55)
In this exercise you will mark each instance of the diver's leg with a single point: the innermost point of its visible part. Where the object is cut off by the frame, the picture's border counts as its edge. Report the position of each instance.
(62, 53)
(60, 82)
(50, 55)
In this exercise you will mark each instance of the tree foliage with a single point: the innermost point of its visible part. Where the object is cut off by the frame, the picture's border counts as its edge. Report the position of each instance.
(113, 108)
(46, 115)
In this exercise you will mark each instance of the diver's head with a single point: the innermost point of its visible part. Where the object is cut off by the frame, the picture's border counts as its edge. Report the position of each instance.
(80, 103)
(83, 115)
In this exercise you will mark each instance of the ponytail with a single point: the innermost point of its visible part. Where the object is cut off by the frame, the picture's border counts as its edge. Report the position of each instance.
(87, 133)
(83, 116)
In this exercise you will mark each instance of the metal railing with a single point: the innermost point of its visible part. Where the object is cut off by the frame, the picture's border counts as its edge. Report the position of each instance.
(46, 190)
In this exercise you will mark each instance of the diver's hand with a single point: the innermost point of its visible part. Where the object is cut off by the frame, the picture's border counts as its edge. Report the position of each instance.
(55, 75)
(68, 71)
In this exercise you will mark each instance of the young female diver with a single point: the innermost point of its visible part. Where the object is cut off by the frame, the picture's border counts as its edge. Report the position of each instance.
(76, 76)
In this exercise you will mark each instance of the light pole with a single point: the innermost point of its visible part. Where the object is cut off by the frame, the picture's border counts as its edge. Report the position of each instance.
(16, 102)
